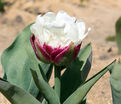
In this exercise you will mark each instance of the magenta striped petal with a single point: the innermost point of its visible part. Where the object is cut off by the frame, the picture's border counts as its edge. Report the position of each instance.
(53, 52)
(61, 54)
(56, 52)
(32, 39)
(48, 48)
(76, 50)
(55, 55)
(42, 50)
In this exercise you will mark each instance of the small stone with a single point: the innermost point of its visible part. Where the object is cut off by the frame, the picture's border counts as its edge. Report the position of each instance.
(5, 21)
(19, 19)
(109, 50)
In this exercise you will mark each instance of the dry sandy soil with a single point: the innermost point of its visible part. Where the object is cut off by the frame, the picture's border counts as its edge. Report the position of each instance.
(100, 15)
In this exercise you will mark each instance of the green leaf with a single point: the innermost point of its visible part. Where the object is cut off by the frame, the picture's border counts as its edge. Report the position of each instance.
(2, 4)
(78, 96)
(118, 25)
(17, 63)
(84, 101)
(15, 94)
(57, 79)
(76, 73)
(48, 92)
(115, 81)
(118, 34)
(111, 38)
(44, 101)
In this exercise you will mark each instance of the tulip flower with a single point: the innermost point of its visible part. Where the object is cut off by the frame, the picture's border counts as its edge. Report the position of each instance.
(57, 38)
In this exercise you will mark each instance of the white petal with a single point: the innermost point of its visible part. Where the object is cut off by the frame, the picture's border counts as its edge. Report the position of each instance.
(83, 36)
(35, 30)
(49, 17)
(55, 29)
(81, 27)
(71, 31)
(89, 29)
(60, 29)
(63, 17)
(39, 20)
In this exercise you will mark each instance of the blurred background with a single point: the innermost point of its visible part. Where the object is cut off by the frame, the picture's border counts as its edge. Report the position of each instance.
(100, 15)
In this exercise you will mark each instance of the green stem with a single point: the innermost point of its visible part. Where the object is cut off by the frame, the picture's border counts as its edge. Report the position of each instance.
(57, 80)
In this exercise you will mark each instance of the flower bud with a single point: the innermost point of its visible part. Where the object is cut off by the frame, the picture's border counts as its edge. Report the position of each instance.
(57, 38)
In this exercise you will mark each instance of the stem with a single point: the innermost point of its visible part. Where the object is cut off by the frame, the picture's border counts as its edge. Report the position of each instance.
(57, 80)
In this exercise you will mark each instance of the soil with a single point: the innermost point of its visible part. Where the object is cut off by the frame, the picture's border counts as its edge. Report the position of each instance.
(100, 15)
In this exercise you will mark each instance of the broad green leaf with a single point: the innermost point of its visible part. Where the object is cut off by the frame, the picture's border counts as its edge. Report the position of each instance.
(78, 96)
(76, 73)
(42, 74)
(115, 81)
(15, 94)
(17, 63)
(118, 34)
(48, 93)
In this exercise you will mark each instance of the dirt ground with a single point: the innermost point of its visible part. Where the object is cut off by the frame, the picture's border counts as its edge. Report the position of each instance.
(100, 15)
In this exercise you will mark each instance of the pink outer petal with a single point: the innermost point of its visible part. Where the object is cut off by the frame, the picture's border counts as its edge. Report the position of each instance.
(56, 52)
(52, 54)
(48, 48)
(61, 54)
(43, 51)
(32, 39)
(76, 50)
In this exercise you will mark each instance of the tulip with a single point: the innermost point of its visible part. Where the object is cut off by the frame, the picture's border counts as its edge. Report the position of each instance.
(57, 38)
